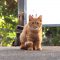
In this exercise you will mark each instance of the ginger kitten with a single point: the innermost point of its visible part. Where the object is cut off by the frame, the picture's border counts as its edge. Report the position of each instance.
(31, 36)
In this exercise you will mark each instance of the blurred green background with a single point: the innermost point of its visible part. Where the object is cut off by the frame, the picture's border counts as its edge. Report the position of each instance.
(8, 21)
(51, 36)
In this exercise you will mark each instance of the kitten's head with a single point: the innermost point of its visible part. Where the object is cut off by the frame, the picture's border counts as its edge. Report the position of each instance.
(35, 23)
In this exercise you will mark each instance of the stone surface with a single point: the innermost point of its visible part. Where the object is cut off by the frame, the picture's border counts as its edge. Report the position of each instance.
(14, 53)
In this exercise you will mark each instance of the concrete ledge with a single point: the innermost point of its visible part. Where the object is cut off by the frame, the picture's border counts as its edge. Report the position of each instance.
(14, 53)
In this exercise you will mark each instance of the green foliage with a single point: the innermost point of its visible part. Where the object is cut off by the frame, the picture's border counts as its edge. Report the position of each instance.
(56, 40)
(7, 30)
(8, 21)
(54, 37)
(8, 7)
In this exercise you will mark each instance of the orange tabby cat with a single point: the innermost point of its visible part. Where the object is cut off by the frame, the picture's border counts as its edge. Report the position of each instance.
(31, 36)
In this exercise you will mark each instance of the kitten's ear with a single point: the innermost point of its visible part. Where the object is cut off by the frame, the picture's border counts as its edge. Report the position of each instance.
(30, 17)
(40, 18)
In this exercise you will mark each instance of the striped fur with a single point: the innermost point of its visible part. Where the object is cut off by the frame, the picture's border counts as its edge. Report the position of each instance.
(31, 36)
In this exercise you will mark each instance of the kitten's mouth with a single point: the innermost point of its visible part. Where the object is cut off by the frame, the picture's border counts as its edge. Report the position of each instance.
(31, 28)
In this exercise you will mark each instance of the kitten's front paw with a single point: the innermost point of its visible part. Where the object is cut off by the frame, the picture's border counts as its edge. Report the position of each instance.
(30, 49)
(40, 49)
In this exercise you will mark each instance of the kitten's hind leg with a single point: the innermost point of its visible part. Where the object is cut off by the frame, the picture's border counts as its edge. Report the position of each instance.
(22, 46)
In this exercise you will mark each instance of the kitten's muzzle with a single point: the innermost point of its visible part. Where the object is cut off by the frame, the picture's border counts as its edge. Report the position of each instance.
(34, 28)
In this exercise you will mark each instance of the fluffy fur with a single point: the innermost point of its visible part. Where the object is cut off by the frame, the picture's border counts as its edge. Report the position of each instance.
(31, 36)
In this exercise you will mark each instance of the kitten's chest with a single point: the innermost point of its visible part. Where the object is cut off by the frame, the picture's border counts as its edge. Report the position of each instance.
(34, 36)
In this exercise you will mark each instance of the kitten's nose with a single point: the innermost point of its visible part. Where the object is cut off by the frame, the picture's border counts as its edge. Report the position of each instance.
(35, 27)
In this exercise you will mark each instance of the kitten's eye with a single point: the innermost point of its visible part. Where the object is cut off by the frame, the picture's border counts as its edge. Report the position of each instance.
(37, 23)
(40, 20)
(32, 22)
